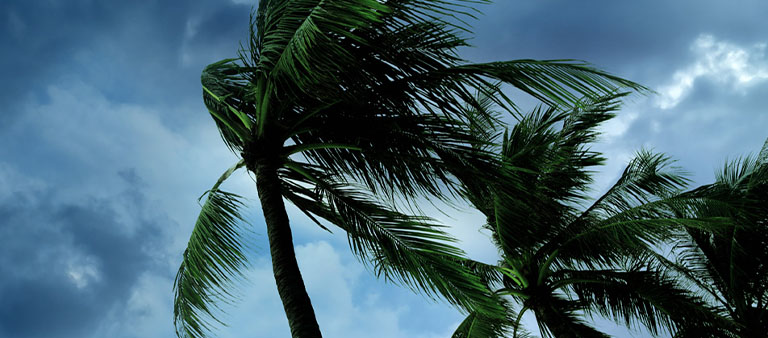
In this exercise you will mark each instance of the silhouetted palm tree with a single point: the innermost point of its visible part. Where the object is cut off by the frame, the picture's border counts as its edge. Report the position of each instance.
(730, 264)
(562, 257)
(342, 107)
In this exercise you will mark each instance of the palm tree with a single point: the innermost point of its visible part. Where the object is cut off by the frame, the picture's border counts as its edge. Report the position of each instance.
(730, 265)
(343, 107)
(563, 258)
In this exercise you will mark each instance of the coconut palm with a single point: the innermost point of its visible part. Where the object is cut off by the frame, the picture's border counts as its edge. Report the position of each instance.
(342, 108)
(730, 265)
(562, 257)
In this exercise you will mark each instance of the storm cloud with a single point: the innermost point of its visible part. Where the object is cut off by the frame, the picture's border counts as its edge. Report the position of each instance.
(105, 146)
(68, 264)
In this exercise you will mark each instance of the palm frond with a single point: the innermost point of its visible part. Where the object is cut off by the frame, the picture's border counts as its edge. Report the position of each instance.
(634, 232)
(644, 297)
(302, 42)
(484, 115)
(476, 325)
(213, 261)
(558, 317)
(638, 211)
(472, 326)
(647, 177)
(551, 169)
(762, 157)
(489, 274)
(407, 250)
(307, 51)
(691, 270)
(407, 154)
(223, 95)
(555, 82)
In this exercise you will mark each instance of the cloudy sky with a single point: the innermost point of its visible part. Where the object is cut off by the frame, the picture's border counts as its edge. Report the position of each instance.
(105, 146)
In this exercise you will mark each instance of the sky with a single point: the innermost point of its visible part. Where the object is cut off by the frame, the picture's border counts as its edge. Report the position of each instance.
(105, 146)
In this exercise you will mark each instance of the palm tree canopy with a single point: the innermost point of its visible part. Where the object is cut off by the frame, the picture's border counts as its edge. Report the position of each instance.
(352, 99)
(561, 253)
(731, 264)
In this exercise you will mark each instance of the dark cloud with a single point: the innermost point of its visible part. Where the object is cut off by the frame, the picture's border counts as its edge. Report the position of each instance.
(132, 51)
(643, 41)
(66, 265)
(221, 26)
(647, 42)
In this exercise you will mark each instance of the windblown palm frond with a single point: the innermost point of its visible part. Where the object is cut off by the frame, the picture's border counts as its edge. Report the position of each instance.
(640, 296)
(549, 164)
(476, 325)
(472, 326)
(410, 250)
(559, 317)
(214, 256)
(575, 79)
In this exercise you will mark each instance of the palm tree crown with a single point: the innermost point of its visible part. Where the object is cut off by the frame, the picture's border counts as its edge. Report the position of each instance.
(730, 264)
(563, 257)
(341, 107)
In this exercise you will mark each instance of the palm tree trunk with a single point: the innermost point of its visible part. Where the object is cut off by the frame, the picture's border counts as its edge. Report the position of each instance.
(290, 285)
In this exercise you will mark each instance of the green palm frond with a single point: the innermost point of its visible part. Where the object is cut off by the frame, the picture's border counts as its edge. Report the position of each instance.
(213, 261)
(302, 42)
(559, 317)
(647, 177)
(556, 82)
(409, 250)
(762, 157)
(718, 322)
(737, 174)
(606, 244)
(637, 212)
(489, 274)
(554, 247)
(597, 241)
(646, 297)
(478, 326)
(484, 114)
(688, 266)
(407, 155)
(473, 326)
(223, 94)
(550, 166)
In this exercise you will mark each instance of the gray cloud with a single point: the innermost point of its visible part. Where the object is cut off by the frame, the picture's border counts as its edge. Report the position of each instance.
(65, 265)
(643, 41)
(92, 88)
(132, 51)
